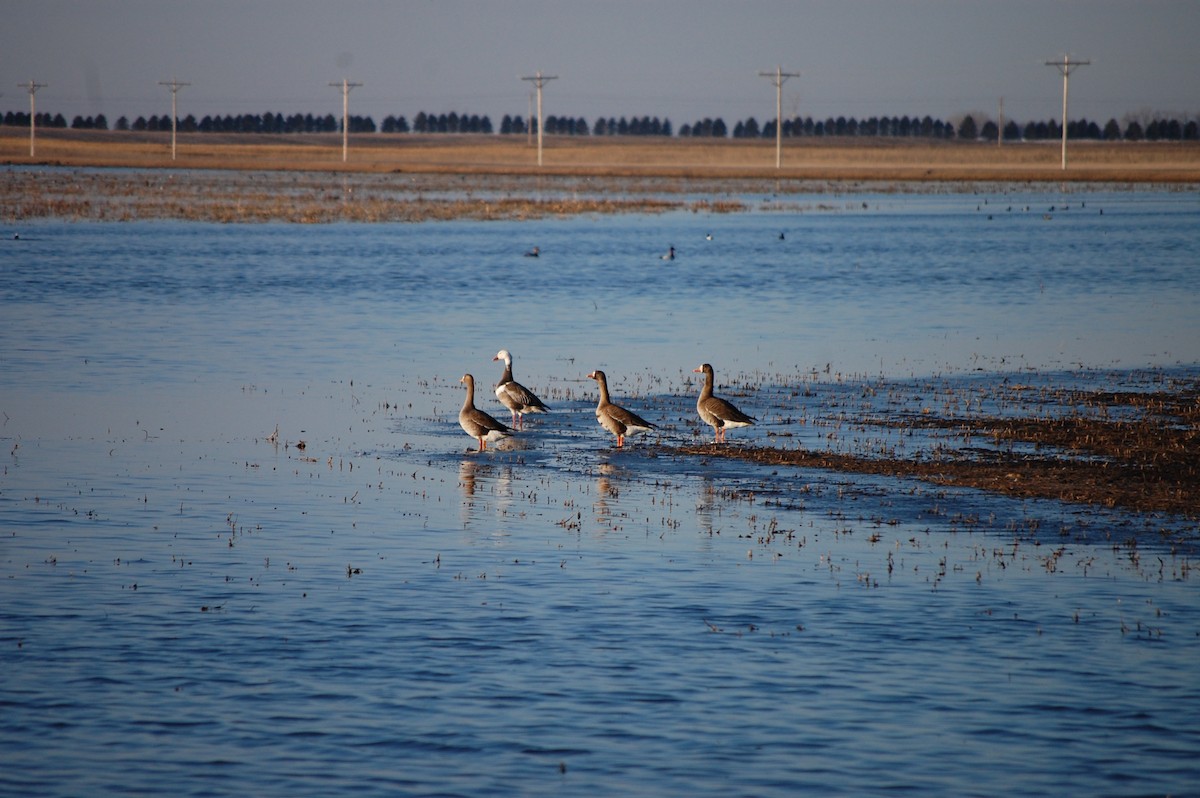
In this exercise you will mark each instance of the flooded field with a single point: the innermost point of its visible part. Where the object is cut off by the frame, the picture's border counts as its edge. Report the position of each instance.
(245, 546)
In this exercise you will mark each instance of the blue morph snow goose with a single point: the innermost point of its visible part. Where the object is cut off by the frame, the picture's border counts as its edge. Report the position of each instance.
(616, 419)
(715, 411)
(476, 423)
(515, 396)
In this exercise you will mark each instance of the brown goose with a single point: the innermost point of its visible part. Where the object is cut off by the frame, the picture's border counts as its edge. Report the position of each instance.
(515, 396)
(475, 422)
(716, 412)
(615, 419)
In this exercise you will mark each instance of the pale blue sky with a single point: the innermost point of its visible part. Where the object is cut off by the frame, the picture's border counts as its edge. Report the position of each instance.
(678, 59)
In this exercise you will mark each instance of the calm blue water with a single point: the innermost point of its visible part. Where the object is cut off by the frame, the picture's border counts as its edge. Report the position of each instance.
(188, 608)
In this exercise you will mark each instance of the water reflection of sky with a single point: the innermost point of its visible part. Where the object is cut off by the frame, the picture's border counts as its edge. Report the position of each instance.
(909, 285)
(557, 617)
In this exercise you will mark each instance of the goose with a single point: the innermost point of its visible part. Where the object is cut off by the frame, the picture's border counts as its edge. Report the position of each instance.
(475, 422)
(533, 253)
(715, 411)
(670, 254)
(615, 419)
(515, 396)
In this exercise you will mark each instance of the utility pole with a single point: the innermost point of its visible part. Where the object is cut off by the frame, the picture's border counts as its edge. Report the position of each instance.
(32, 87)
(1066, 67)
(1000, 134)
(174, 85)
(777, 78)
(345, 86)
(539, 80)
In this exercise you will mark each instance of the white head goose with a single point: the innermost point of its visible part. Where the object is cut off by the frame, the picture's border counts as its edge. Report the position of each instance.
(475, 422)
(515, 396)
(670, 254)
(716, 412)
(615, 419)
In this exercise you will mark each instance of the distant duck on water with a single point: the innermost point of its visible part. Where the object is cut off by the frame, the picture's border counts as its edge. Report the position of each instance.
(670, 254)
(533, 253)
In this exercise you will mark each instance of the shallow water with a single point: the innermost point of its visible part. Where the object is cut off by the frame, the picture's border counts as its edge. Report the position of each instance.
(189, 608)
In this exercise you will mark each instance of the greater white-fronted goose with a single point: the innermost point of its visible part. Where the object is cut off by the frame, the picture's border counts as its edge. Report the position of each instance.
(715, 411)
(476, 423)
(616, 419)
(515, 396)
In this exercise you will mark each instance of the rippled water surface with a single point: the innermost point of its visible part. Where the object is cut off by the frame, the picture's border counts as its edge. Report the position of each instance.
(190, 607)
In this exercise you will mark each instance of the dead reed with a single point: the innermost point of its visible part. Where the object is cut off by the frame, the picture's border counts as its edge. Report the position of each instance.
(840, 159)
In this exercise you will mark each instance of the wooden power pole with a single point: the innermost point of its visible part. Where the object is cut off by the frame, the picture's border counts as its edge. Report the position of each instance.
(777, 78)
(539, 80)
(1066, 67)
(174, 85)
(32, 87)
(345, 86)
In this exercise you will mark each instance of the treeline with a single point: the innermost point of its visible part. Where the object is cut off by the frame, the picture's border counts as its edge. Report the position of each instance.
(888, 127)
(967, 129)
(578, 126)
(1147, 128)
(1134, 130)
(242, 123)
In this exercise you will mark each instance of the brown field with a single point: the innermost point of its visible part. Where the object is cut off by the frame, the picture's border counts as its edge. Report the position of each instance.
(298, 178)
(804, 159)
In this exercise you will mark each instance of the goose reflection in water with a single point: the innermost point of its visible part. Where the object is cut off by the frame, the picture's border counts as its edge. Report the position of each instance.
(486, 488)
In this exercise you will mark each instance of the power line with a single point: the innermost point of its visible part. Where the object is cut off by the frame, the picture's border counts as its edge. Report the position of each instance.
(174, 85)
(539, 80)
(345, 86)
(1000, 127)
(778, 77)
(1066, 67)
(32, 86)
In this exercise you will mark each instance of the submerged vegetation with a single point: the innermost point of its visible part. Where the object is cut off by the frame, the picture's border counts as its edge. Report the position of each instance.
(1138, 450)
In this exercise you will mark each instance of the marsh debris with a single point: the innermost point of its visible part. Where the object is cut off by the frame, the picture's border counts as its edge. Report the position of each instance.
(1137, 450)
